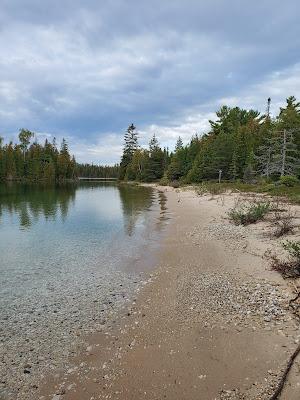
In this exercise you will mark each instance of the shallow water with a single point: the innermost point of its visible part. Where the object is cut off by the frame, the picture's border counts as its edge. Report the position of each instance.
(68, 255)
(56, 233)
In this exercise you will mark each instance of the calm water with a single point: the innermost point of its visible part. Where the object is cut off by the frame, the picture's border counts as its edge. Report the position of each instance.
(65, 233)
(70, 258)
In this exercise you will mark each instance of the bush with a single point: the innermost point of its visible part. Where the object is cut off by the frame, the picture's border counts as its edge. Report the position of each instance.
(289, 180)
(283, 222)
(245, 215)
(164, 181)
(175, 184)
(201, 189)
(215, 188)
(293, 248)
(291, 267)
(269, 187)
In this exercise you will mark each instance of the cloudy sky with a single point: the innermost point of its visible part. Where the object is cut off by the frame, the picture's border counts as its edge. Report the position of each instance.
(86, 69)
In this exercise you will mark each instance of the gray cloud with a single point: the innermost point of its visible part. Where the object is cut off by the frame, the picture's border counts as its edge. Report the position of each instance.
(86, 69)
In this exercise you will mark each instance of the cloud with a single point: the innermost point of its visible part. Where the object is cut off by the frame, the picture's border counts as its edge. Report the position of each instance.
(86, 69)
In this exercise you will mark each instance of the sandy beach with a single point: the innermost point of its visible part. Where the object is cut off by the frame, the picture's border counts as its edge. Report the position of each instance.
(211, 321)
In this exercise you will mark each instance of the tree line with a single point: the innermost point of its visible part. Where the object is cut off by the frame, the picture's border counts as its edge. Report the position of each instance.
(241, 145)
(97, 171)
(32, 161)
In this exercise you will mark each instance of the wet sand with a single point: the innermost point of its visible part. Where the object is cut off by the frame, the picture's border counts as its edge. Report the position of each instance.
(211, 321)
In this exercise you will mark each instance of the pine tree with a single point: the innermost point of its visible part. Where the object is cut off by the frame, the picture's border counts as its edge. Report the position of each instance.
(130, 146)
(153, 144)
(64, 162)
(155, 166)
(179, 144)
(10, 165)
(233, 171)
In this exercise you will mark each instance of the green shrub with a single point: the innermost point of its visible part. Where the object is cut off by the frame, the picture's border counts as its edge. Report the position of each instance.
(289, 180)
(215, 188)
(164, 181)
(245, 215)
(201, 189)
(269, 187)
(293, 248)
(288, 268)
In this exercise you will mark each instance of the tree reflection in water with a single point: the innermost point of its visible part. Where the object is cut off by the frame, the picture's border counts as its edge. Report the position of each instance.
(30, 202)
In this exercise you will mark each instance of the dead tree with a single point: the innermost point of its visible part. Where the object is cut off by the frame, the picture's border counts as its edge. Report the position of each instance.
(279, 154)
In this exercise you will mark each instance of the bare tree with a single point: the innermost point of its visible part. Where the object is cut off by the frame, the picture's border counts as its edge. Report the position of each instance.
(286, 159)
(279, 154)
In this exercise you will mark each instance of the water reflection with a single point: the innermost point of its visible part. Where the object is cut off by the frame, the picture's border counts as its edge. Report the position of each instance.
(93, 204)
(30, 202)
(163, 217)
(134, 199)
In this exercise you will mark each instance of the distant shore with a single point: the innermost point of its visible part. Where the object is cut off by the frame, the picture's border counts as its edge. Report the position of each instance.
(211, 321)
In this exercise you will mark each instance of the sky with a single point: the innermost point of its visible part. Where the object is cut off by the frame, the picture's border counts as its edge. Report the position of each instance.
(86, 69)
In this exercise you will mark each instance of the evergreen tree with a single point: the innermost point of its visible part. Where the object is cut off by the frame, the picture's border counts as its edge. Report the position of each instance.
(156, 162)
(10, 165)
(179, 144)
(130, 146)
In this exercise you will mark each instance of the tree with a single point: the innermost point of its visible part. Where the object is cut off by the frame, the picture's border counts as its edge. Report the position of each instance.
(233, 170)
(231, 119)
(41, 162)
(24, 136)
(286, 157)
(64, 165)
(153, 144)
(264, 158)
(2, 173)
(10, 165)
(130, 146)
(179, 144)
(137, 166)
(156, 162)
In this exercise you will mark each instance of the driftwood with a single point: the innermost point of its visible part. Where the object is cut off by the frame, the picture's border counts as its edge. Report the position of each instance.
(290, 363)
(295, 308)
(284, 376)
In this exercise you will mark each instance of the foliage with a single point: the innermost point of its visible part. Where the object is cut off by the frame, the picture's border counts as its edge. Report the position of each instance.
(97, 171)
(244, 144)
(130, 147)
(34, 161)
(293, 248)
(164, 181)
(289, 180)
(289, 268)
(141, 164)
(249, 214)
(283, 228)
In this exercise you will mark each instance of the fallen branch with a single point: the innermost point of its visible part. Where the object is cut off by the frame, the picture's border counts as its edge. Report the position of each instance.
(286, 372)
(295, 310)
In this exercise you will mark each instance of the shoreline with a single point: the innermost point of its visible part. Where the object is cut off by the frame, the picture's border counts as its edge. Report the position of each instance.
(211, 321)
(45, 326)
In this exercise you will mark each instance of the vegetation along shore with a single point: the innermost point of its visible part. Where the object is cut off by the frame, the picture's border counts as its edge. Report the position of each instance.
(217, 318)
(215, 312)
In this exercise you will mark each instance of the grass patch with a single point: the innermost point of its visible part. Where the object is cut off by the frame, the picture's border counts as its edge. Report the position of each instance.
(249, 214)
(283, 224)
(291, 267)
(291, 193)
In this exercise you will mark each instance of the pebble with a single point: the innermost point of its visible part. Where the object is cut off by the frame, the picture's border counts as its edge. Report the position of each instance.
(47, 332)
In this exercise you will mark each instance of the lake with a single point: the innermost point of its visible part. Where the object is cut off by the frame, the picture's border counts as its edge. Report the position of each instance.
(69, 257)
